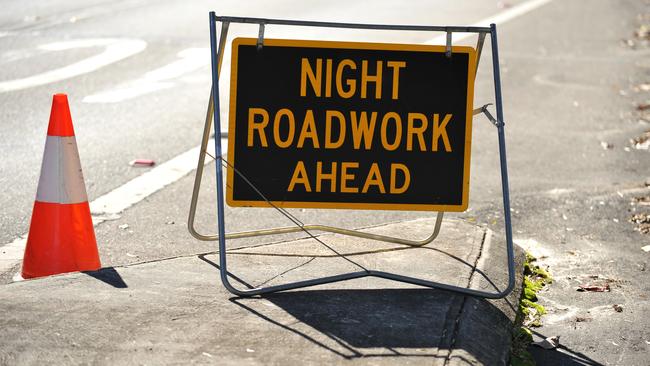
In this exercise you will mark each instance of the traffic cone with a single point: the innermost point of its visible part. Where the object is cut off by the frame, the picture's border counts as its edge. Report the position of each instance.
(61, 236)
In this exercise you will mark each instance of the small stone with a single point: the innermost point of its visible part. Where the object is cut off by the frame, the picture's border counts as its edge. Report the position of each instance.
(606, 145)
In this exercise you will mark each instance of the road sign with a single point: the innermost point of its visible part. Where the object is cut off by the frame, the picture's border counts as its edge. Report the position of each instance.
(317, 124)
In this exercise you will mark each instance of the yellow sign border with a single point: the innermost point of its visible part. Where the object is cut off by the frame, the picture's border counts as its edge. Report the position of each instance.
(357, 46)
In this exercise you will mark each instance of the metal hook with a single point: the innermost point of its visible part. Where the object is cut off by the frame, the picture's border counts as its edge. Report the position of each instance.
(489, 115)
(448, 50)
(260, 37)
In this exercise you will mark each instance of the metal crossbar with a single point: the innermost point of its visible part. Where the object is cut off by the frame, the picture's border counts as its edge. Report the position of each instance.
(213, 115)
(306, 23)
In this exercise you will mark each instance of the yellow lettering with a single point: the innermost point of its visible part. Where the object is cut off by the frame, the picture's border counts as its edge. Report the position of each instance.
(374, 178)
(345, 177)
(276, 128)
(418, 131)
(351, 83)
(314, 78)
(393, 178)
(396, 65)
(365, 79)
(398, 131)
(308, 130)
(328, 78)
(329, 144)
(320, 176)
(440, 130)
(299, 177)
(257, 126)
(362, 130)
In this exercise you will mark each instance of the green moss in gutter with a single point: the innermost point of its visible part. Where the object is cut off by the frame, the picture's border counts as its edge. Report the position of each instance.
(530, 312)
(519, 355)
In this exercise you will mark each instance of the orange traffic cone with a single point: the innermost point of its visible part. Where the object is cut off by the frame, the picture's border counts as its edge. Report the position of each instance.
(61, 236)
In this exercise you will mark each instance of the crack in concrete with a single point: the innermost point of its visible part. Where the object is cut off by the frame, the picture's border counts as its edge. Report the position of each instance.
(456, 329)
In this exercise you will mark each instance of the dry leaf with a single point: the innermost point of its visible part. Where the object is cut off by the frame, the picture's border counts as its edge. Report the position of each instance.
(548, 343)
(594, 288)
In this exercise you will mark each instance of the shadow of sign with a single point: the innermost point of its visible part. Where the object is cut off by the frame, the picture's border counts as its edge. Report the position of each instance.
(370, 323)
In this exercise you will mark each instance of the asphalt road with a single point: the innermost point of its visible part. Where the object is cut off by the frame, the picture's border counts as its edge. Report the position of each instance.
(137, 77)
(571, 85)
(158, 116)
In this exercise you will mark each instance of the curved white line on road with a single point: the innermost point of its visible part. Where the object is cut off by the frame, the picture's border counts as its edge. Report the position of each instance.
(190, 59)
(115, 50)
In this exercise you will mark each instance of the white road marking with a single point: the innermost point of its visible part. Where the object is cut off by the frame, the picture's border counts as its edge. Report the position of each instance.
(514, 12)
(190, 59)
(497, 19)
(167, 173)
(12, 253)
(144, 185)
(114, 202)
(114, 50)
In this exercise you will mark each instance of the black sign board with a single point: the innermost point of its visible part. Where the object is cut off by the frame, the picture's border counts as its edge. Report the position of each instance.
(318, 124)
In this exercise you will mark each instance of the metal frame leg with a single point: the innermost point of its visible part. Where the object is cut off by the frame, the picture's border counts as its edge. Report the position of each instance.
(216, 60)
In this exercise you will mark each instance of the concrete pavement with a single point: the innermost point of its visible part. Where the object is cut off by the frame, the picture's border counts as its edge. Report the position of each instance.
(570, 85)
(175, 311)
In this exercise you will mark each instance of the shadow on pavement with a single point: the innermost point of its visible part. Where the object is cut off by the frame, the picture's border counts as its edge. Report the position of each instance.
(108, 275)
(562, 356)
(403, 323)
(370, 323)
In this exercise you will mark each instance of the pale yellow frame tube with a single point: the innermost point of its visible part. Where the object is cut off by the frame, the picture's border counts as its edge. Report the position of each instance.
(285, 230)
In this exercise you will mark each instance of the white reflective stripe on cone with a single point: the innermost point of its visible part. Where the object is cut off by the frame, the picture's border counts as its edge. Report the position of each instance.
(61, 178)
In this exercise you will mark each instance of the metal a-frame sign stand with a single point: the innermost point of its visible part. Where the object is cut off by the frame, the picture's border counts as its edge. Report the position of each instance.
(213, 115)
